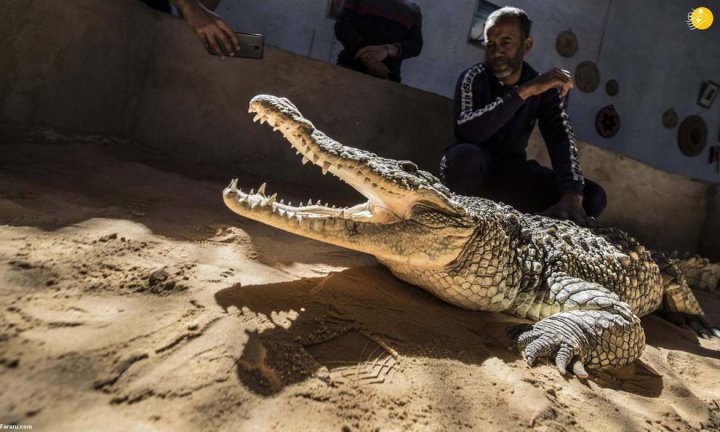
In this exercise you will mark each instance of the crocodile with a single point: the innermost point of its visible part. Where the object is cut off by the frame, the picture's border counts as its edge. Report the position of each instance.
(585, 289)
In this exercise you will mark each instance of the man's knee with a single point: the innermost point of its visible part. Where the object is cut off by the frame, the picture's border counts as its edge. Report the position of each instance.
(463, 167)
(595, 199)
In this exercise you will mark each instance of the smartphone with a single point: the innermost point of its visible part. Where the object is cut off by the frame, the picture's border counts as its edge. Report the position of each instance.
(252, 45)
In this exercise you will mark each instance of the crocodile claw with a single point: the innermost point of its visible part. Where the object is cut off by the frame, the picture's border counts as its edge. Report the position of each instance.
(696, 322)
(536, 343)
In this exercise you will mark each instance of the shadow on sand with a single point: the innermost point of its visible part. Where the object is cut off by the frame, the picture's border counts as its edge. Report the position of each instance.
(363, 324)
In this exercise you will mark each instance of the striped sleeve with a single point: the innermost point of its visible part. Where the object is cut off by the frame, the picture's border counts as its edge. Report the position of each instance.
(561, 143)
(478, 116)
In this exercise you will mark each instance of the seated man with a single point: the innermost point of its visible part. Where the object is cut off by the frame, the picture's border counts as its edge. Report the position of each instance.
(210, 28)
(378, 35)
(497, 104)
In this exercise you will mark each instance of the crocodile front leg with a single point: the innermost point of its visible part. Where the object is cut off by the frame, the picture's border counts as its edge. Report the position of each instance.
(594, 329)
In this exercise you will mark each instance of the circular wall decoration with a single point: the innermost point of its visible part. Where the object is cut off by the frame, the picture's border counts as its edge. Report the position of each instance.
(587, 77)
(612, 87)
(692, 135)
(566, 43)
(669, 118)
(607, 122)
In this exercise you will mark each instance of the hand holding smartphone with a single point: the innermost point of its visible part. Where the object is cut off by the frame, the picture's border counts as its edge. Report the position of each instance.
(252, 45)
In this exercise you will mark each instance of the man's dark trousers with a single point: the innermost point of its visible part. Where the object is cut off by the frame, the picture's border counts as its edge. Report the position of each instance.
(469, 169)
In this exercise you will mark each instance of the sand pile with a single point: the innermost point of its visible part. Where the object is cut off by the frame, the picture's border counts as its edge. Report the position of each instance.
(133, 300)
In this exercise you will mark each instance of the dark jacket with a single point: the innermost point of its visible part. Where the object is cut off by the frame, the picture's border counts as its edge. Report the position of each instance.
(379, 22)
(491, 114)
(161, 5)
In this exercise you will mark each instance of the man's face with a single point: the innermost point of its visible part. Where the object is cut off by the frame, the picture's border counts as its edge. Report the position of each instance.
(505, 48)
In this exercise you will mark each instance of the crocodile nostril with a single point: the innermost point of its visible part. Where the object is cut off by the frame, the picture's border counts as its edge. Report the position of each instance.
(408, 166)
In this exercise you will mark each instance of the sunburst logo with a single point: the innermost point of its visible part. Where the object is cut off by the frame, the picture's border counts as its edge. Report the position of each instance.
(700, 18)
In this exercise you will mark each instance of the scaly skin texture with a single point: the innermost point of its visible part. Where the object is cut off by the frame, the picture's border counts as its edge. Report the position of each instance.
(585, 288)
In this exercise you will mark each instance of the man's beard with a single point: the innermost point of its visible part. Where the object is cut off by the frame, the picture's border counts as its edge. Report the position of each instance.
(504, 68)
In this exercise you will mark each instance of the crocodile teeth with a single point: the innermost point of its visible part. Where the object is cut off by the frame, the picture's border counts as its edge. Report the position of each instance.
(233, 185)
(256, 118)
(304, 160)
(342, 214)
(272, 199)
(326, 167)
(252, 192)
(261, 189)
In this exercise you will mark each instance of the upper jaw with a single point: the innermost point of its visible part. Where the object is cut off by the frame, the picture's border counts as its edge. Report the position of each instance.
(386, 204)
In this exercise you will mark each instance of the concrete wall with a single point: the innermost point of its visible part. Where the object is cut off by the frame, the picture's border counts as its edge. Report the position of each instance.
(80, 66)
(147, 77)
(195, 102)
(644, 44)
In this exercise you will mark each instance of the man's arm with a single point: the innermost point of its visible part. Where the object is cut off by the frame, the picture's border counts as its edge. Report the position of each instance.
(209, 28)
(410, 46)
(477, 116)
(560, 140)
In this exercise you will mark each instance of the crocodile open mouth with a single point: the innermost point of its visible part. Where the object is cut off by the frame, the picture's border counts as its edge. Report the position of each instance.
(364, 171)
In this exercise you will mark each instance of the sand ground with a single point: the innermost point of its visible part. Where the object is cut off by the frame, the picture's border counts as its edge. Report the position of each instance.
(132, 299)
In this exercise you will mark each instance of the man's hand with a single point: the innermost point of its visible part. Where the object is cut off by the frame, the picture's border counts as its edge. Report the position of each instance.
(210, 28)
(556, 78)
(378, 69)
(376, 53)
(570, 207)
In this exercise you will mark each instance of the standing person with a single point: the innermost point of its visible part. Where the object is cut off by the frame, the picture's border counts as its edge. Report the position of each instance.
(497, 104)
(212, 31)
(378, 35)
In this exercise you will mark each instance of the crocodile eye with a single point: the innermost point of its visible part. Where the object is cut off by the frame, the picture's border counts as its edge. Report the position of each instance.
(408, 167)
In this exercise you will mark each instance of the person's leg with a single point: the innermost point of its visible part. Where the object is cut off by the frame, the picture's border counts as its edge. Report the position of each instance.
(525, 185)
(532, 188)
(463, 168)
(471, 170)
(594, 198)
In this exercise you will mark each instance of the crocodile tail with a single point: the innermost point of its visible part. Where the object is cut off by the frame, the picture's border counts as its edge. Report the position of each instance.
(699, 272)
